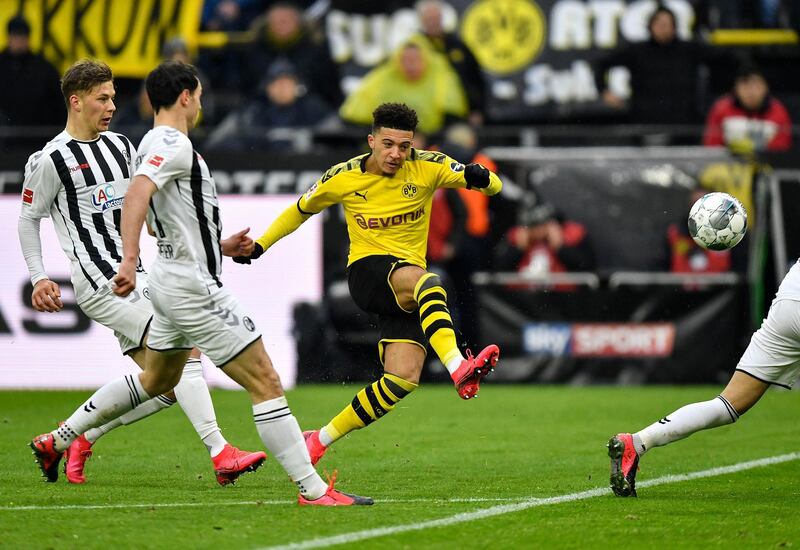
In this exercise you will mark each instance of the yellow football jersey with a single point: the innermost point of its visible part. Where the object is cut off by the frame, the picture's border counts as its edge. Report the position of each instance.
(388, 215)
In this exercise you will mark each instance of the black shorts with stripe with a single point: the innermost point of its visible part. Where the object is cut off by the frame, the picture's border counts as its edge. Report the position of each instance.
(368, 279)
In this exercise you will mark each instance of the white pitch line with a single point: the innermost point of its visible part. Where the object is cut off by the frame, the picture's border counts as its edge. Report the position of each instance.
(57, 507)
(516, 503)
(355, 536)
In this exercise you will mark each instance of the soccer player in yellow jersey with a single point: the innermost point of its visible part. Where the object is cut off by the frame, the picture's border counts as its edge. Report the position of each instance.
(387, 196)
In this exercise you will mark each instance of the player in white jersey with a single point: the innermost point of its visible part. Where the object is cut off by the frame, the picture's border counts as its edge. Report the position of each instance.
(771, 358)
(80, 179)
(172, 185)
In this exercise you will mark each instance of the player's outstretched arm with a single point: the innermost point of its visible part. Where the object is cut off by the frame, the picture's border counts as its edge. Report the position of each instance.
(134, 211)
(289, 220)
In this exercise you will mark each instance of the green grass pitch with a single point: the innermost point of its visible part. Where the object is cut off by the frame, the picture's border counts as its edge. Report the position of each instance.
(471, 465)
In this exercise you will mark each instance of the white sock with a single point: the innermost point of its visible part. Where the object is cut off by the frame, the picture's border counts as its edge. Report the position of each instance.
(150, 407)
(324, 437)
(453, 364)
(281, 434)
(195, 400)
(686, 421)
(112, 400)
(93, 434)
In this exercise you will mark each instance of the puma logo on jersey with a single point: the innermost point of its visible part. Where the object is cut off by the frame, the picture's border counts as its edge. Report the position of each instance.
(362, 195)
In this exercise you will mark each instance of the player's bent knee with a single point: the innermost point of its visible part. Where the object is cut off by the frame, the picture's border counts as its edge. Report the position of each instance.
(427, 282)
(404, 282)
(157, 383)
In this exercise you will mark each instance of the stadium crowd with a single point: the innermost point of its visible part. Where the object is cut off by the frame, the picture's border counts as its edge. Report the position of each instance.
(281, 87)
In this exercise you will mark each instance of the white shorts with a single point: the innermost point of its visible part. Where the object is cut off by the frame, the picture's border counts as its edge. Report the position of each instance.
(128, 317)
(773, 355)
(211, 320)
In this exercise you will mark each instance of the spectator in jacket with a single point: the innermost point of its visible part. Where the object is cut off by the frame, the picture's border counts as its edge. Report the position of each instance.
(430, 13)
(544, 242)
(282, 34)
(31, 95)
(279, 118)
(749, 119)
(664, 74)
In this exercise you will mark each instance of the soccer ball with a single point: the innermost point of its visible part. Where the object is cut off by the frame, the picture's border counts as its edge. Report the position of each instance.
(717, 221)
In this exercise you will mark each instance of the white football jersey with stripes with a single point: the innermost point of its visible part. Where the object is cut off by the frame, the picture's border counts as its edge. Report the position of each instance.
(82, 185)
(184, 212)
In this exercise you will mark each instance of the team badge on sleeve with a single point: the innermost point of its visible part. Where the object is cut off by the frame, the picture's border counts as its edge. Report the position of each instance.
(27, 196)
(456, 167)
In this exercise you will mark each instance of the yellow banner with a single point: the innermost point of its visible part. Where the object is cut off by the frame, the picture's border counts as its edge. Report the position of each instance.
(126, 34)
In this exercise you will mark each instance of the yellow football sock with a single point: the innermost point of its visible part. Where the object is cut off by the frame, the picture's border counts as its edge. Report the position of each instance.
(435, 317)
(369, 405)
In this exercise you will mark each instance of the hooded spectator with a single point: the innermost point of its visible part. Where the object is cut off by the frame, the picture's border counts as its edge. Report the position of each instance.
(414, 75)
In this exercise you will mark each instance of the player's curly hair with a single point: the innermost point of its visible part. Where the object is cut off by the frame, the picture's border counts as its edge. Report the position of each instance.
(84, 75)
(167, 81)
(398, 116)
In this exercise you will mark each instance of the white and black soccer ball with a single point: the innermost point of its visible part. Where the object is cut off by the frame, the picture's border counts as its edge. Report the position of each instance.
(717, 221)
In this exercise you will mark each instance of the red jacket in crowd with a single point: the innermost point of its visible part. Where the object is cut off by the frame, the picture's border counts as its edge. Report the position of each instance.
(769, 128)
